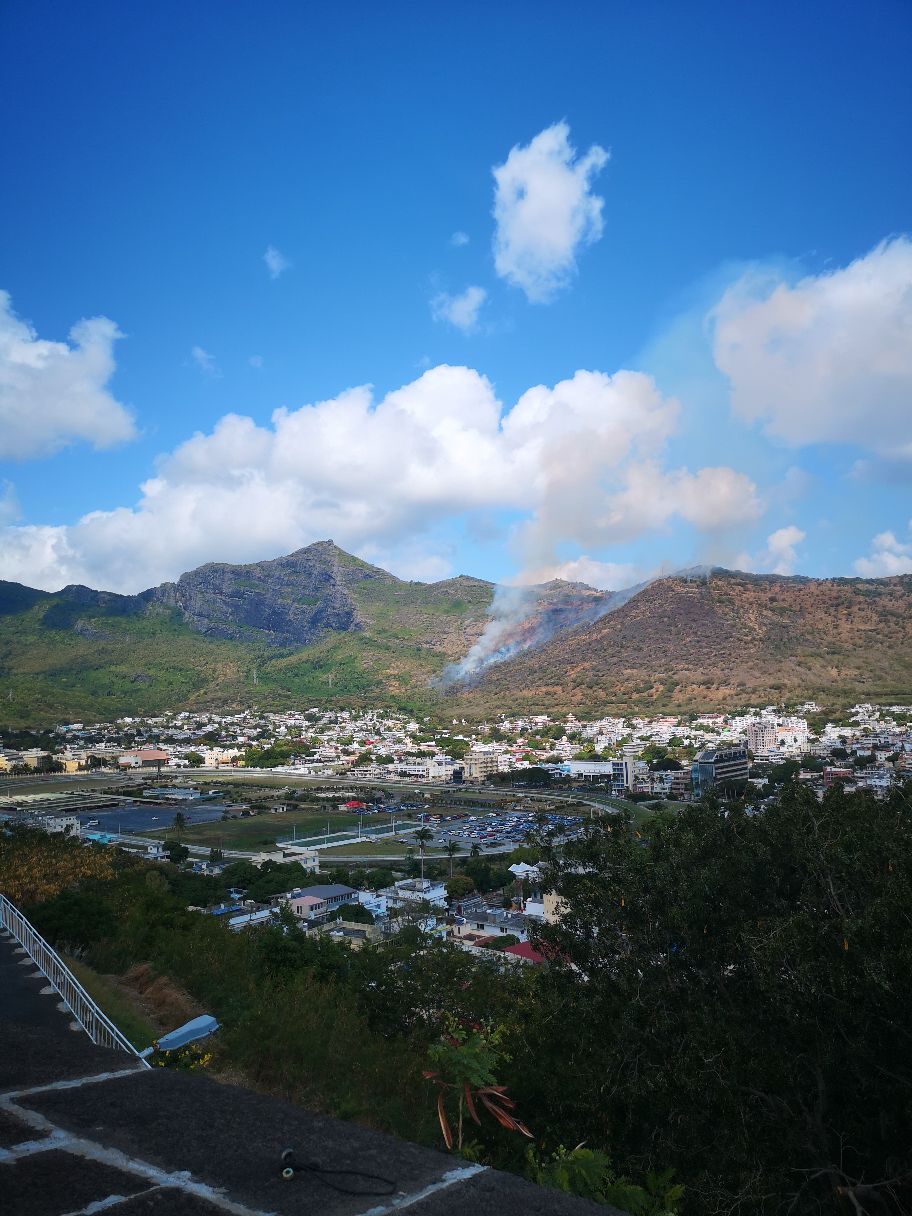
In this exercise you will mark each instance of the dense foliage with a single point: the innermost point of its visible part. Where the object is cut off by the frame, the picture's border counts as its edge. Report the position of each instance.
(741, 1000)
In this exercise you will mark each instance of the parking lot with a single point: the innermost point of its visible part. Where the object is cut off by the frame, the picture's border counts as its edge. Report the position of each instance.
(497, 830)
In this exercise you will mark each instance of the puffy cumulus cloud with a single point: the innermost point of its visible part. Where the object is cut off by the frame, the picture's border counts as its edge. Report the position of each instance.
(54, 393)
(780, 555)
(582, 460)
(828, 359)
(276, 263)
(545, 211)
(888, 555)
(462, 310)
(637, 496)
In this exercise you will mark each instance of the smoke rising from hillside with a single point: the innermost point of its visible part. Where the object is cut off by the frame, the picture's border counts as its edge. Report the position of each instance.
(527, 616)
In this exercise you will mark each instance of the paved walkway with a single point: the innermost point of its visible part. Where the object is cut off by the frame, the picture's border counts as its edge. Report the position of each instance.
(85, 1130)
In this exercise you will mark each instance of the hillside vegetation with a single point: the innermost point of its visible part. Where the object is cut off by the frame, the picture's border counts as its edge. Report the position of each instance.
(725, 640)
(722, 1026)
(320, 627)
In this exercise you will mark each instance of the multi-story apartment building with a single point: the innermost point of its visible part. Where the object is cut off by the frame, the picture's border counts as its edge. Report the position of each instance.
(762, 737)
(479, 763)
(719, 768)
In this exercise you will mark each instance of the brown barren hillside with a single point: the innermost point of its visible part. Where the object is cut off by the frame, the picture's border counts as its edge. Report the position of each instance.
(725, 639)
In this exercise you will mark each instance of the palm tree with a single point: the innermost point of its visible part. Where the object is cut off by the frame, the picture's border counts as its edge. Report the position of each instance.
(423, 835)
(179, 824)
(475, 850)
(451, 848)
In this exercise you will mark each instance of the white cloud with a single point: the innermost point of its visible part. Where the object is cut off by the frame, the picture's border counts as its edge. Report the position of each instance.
(582, 461)
(781, 546)
(780, 555)
(606, 576)
(462, 310)
(888, 556)
(276, 262)
(545, 212)
(256, 361)
(54, 393)
(459, 239)
(829, 359)
(411, 560)
(205, 362)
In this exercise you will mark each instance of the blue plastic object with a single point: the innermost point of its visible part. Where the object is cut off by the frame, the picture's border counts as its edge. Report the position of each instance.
(198, 1028)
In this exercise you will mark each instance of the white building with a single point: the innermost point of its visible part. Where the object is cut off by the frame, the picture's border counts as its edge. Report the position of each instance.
(416, 891)
(762, 737)
(374, 901)
(480, 763)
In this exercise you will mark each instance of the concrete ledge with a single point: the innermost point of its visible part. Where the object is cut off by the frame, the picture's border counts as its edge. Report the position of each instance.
(84, 1129)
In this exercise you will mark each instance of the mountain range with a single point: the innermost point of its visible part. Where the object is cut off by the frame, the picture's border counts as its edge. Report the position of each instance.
(321, 627)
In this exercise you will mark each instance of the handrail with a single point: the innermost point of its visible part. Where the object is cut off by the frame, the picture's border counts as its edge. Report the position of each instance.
(97, 1025)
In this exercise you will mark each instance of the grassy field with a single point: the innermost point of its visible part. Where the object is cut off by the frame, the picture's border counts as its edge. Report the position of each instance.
(261, 831)
(58, 784)
(111, 1001)
(242, 781)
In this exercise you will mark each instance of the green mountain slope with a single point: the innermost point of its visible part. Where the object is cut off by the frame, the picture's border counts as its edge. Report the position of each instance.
(318, 625)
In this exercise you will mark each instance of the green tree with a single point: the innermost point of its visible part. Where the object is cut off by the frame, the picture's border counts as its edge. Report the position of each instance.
(456, 748)
(464, 1063)
(353, 912)
(48, 764)
(179, 824)
(750, 969)
(177, 852)
(459, 886)
(423, 837)
(451, 848)
(501, 943)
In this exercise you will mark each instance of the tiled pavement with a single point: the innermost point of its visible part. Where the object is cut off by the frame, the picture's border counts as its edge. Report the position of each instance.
(85, 1130)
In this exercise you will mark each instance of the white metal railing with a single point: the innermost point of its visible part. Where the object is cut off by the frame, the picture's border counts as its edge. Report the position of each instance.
(97, 1025)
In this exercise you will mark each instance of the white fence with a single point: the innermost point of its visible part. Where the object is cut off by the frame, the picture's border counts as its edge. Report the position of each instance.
(97, 1025)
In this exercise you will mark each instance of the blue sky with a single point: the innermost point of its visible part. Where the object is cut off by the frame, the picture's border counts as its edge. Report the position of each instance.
(706, 204)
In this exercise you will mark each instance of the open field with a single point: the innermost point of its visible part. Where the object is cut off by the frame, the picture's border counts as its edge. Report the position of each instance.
(59, 783)
(261, 831)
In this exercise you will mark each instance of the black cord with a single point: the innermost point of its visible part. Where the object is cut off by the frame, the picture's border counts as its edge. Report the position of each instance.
(325, 1176)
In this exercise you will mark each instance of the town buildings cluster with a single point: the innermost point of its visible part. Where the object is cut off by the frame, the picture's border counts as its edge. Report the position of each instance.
(664, 756)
